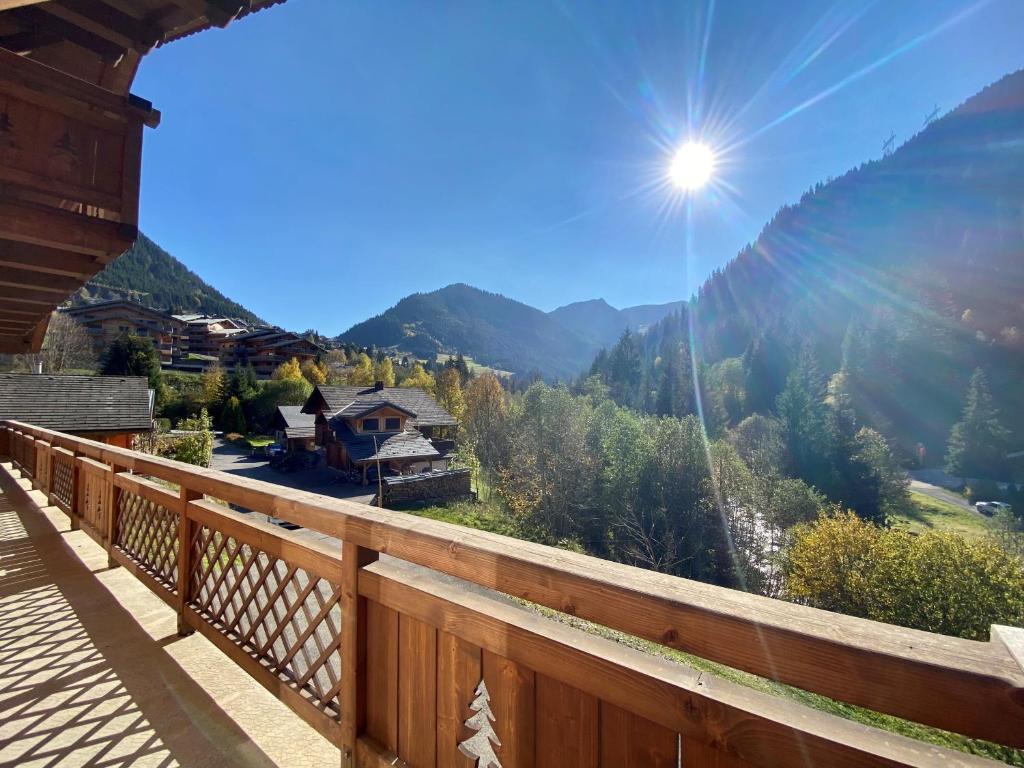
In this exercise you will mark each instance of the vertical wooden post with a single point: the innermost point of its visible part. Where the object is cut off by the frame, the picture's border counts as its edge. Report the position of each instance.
(185, 495)
(113, 501)
(353, 649)
(76, 493)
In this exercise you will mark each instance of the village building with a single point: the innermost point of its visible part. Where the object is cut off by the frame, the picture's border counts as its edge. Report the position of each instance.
(203, 337)
(399, 429)
(293, 428)
(109, 409)
(265, 349)
(105, 321)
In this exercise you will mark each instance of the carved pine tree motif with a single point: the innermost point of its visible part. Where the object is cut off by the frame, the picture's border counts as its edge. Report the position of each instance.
(479, 746)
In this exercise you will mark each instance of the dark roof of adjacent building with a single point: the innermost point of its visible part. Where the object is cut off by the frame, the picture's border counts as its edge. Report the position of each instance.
(85, 309)
(77, 403)
(294, 422)
(347, 402)
(385, 446)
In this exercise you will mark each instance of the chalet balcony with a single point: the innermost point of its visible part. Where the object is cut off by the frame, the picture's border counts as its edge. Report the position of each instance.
(145, 622)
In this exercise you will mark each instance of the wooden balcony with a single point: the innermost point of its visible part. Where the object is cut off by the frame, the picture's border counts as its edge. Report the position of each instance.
(378, 628)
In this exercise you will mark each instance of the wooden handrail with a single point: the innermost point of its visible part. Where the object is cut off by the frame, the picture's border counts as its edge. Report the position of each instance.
(970, 687)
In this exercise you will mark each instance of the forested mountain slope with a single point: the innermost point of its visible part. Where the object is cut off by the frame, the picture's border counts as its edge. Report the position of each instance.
(602, 323)
(491, 328)
(148, 274)
(904, 275)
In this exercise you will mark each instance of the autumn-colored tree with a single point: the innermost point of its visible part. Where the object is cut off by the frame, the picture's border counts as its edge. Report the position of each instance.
(384, 372)
(361, 373)
(289, 370)
(214, 380)
(314, 372)
(485, 419)
(938, 582)
(335, 360)
(418, 377)
(448, 392)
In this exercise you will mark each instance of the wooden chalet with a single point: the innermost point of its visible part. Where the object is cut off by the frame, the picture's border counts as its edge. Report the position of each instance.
(106, 321)
(265, 349)
(204, 334)
(361, 428)
(293, 428)
(109, 409)
(71, 141)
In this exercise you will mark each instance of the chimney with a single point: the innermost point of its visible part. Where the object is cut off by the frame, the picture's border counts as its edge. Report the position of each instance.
(378, 385)
(39, 367)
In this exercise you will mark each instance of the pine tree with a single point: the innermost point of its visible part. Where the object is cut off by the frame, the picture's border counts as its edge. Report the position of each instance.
(977, 442)
(478, 746)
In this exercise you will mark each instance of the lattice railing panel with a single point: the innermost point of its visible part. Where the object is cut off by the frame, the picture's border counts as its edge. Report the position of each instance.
(148, 533)
(284, 616)
(63, 480)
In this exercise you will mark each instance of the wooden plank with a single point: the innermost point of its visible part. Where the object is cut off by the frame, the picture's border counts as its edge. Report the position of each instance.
(761, 728)
(370, 754)
(352, 704)
(511, 686)
(631, 741)
(38, 258)
(417, 692)
(459, 672)
(568, 725)
(700, 754)
(382, 675)
(838, 656)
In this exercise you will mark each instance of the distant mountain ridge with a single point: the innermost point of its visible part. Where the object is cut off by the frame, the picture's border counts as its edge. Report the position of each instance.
(501, 332)
(149, 275)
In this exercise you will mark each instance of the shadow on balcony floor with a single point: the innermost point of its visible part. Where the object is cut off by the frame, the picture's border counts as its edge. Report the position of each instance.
(93, 673)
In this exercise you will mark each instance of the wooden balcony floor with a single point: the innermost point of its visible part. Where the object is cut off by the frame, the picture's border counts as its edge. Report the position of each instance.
(92, 671)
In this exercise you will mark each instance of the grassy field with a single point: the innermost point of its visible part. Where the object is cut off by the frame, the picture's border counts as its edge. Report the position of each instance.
(928, 514)
(474, 367)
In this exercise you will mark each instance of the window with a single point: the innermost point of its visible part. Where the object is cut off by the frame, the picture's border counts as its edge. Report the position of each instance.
(392, 424)
(371, 425)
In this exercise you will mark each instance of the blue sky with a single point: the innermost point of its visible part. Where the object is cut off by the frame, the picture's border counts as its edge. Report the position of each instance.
(322, 159)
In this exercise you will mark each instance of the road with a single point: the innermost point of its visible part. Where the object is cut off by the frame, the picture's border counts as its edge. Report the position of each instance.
(941, 494)
(237, 461)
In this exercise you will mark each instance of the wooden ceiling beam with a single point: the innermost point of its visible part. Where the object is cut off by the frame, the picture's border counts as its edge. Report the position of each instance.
(6, 5)
(35, 19)
(59, 285)
(23, 43)
(107, 22)
(25, 297)
(39, 258)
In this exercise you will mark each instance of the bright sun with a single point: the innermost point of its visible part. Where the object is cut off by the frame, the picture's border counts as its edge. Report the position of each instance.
(692, 166)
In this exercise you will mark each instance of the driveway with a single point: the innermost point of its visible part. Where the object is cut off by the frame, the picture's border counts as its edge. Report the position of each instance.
(228, 457)
(940, 494)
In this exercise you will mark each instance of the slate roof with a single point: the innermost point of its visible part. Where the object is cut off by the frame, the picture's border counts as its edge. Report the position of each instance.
(409, 444)
(294, 422)
(344, 401)
(77, 403)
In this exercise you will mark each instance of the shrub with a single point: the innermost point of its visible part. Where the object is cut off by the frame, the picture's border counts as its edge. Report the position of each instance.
(938, 582)
(197, 446)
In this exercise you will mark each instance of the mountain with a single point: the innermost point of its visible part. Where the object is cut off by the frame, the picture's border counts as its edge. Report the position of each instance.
(148, 274)
(501, 332)
(494, 330)
(903, 275)
(602, 324)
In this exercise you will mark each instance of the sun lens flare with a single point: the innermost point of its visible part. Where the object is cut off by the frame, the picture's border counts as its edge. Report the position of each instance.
(692, 166)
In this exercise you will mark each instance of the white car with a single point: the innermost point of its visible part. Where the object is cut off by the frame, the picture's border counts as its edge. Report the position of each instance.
(990, 507)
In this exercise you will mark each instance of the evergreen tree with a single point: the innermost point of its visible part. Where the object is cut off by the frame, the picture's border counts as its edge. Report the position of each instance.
(805, 423)
(232, 418)
(977, 443)
(133, 356)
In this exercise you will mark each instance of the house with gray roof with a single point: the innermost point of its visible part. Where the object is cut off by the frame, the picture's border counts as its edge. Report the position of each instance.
(111, 409)
(293, 428)
(401, 430)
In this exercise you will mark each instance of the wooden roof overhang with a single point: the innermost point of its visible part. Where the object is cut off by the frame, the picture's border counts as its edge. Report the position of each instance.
(71, 141)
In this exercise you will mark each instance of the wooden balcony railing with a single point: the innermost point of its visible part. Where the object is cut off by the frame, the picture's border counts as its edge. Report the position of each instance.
(385, 658)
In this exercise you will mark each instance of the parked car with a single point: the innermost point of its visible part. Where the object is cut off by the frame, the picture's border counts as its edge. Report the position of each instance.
(990, 507)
